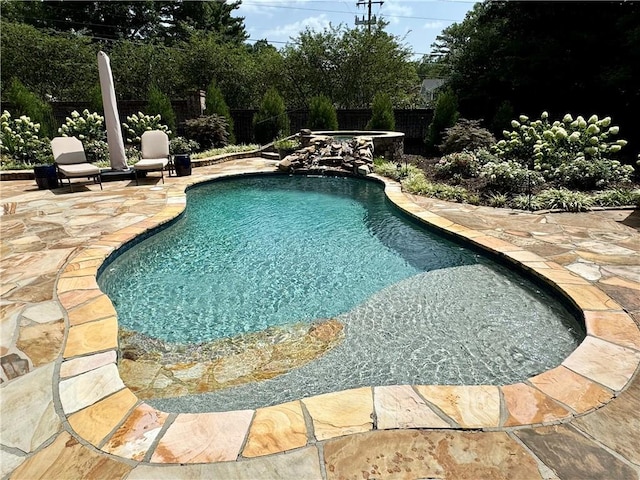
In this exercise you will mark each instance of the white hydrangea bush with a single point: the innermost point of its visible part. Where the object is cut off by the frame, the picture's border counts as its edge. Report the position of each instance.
(19, 138)
(86, 127)
(139, 123)
(575, 152)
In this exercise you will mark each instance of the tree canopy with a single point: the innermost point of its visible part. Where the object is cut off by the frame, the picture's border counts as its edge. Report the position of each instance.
(163, 21)
(560, 57)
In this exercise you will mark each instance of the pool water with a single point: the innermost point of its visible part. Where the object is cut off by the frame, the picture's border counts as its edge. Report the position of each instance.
(254, 252)
(269, 251)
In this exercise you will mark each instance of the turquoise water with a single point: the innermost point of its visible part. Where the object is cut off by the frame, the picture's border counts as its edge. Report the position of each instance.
(263, 251)
(254, 252)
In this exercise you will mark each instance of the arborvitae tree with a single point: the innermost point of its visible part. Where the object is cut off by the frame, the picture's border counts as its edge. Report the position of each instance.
(25, 102)
(215, 104)
(271, 120)
(382, 113)
(445, 116)
(160, 104)
(322, 114)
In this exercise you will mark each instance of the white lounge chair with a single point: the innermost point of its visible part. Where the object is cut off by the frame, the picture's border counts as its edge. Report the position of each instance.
(155, 153)
(71, 162)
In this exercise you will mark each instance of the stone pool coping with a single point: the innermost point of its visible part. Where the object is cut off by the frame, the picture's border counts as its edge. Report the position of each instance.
(103, 412)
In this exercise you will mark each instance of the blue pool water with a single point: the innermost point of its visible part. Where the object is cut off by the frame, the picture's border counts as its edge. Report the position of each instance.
(269, 251)
(417, 309)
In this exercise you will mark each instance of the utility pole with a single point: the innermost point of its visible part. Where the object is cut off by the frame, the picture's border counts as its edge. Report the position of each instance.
(370, 19)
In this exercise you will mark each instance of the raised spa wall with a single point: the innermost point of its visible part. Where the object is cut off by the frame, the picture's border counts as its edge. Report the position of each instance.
(389, 145)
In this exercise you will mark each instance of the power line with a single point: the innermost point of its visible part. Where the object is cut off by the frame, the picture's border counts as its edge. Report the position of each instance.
(344, 12)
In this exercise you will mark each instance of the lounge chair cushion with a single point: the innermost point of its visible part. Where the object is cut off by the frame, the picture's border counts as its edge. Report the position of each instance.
(151, 164)
(78, 169)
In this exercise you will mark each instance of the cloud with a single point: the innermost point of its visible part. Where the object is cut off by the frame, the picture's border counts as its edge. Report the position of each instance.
(394, 8)
(438, 25)
(266, 7)
(286, 31)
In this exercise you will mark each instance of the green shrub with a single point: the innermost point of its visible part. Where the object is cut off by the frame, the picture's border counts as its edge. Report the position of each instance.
(416, 183)
(445, 115)
(26, 103)
(563, 199)
(215, 104)
(20, 140)
(182, 145)
(271, 119)
(497, 200)
(394, 170)
(322, 114)
(87, 127)
(210, 131)
(160, 104)
(617, 197)
(96, 151)
(382, 116)
(510, 176)
(139, 123)
(525, 202)
(466, 135)
(287, 144)
(448, 192)
(592, 174)
(212, 152)
(461, 164)
(502, 117)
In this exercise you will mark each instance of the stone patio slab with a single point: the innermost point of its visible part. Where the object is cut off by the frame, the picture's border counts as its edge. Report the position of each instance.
(66, 458)
(79, 392)
(469, 406)
(276, 429)
(401, 407)
(212, 437)
(594, 359)
(572, 455)
(95, 422)
(428, 454)
(341, 413)
(134, 438)
(571, 389)
(303, 464)
(92, 337)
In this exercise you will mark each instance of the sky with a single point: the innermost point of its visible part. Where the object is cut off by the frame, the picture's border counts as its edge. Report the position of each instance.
(418, 22)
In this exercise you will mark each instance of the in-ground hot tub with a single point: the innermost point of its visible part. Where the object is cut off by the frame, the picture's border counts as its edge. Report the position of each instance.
(386, 144)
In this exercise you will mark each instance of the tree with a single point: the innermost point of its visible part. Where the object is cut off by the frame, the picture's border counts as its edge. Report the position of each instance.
(53, 66)
(555, 56)
(349, 66)
(165, 21)
(184, 18)
(160, 104)
(215, 104)
(25, 102)
(445, 115)
(382, 113)
(322, 114)
(271, 120)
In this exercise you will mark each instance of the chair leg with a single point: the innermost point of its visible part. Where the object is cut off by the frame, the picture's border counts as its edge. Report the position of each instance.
(135, 172)
(99, 179)
(70, 186)
(162, 175)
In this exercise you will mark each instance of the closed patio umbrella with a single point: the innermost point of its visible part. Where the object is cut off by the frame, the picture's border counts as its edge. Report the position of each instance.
(114, 133)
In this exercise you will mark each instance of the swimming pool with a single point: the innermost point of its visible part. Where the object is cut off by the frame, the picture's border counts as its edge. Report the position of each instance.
(254, 252)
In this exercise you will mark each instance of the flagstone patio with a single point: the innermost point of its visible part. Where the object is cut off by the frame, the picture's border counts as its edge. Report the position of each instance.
(66, 413)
